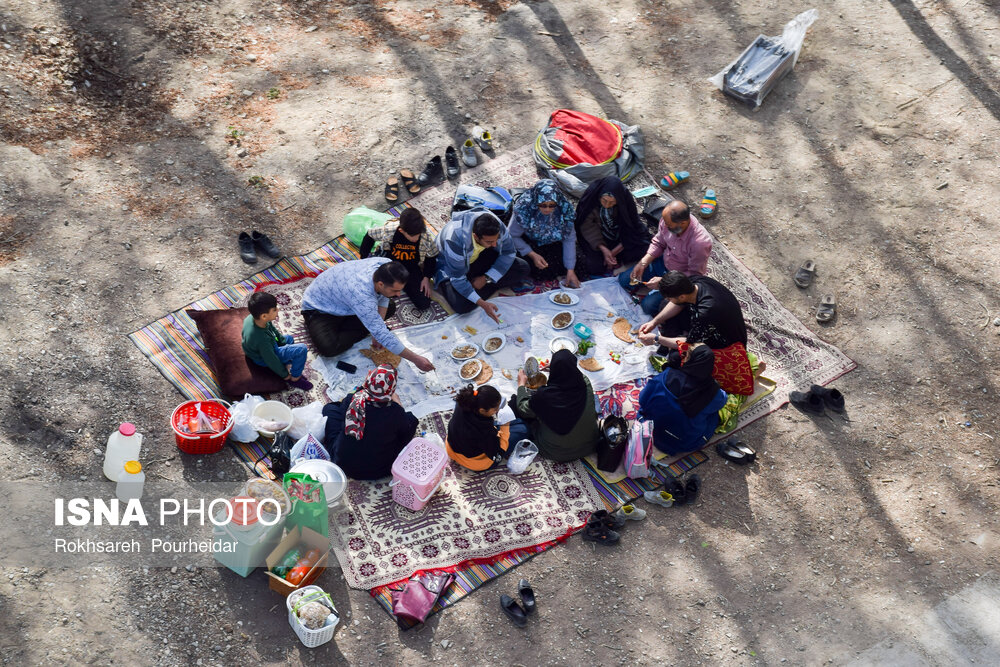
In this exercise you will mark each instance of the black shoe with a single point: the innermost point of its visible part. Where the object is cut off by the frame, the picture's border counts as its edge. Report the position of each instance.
(432, 174)
(527, 596)
(676, 489)
(513, 611)
(265, 244)
(736, 451)
(691, 487)
(807, 402)
(604, 518)
(596, 532)
(247, 253)
(451, 162)
(831, 397)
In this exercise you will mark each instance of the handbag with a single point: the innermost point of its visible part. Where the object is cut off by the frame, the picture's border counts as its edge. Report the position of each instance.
(611, 446)
(280, 454)
(415, 600)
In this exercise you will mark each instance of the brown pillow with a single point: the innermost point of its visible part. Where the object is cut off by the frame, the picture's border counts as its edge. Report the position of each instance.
(222, 331)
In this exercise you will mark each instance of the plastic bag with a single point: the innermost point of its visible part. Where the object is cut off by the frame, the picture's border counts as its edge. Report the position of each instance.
(524, 453)
(308, 503)
(308, 420)
(308, 448)
(757, 71)
(243, 430)
(360, 220)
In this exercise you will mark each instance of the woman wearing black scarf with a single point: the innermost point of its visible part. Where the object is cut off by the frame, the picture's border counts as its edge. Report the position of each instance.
(562, 415)
(609, 223)
(683, 402)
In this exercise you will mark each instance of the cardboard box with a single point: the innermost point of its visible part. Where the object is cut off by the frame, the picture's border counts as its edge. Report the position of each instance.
(305, 538)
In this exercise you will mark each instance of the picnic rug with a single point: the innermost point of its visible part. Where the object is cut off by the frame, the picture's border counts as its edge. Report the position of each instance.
(795, 358)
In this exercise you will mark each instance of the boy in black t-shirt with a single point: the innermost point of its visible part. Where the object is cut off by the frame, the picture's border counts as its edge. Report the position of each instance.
(407, 241)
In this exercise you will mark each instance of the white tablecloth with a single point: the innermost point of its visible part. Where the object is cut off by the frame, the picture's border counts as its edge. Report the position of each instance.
(527, 316)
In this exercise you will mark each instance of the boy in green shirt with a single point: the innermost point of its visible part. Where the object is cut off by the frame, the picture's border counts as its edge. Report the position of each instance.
(266, 346)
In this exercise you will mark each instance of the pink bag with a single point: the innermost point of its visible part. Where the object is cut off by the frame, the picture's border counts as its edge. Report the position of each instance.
(418, 595)
(639, 450)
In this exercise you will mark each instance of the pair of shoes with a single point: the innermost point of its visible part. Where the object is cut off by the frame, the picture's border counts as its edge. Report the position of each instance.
(433, 173)
(514, 611)
(803, 278)
(817, 400)
(736, 451)
(673, 492)
(628, 513)
(709, 203)
(481, 138)
(247, 242)
(600, 527)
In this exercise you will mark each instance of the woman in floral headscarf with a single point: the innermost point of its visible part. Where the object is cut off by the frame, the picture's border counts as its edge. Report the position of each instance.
(367, 430)
(544, 232)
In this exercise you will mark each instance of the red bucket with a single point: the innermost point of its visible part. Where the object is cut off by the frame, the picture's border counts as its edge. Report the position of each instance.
(201, 443)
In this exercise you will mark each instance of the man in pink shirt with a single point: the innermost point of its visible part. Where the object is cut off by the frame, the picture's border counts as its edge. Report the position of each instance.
(681, 244)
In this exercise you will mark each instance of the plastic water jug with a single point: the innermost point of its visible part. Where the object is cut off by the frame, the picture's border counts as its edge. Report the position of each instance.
(130, 481)
(250, 538)
(123, 445)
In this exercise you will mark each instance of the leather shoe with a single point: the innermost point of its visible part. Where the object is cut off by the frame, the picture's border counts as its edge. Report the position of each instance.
(432, 174)
(263, 242)
(513, 611)
(451, 162)
(831, 397)
(247, 253)
(807, 402)
(527, 594)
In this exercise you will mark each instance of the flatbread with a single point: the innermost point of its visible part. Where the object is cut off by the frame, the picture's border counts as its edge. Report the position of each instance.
(506, 373)
(620, 328)
(590, 364)
(485, 375)
(382, 357)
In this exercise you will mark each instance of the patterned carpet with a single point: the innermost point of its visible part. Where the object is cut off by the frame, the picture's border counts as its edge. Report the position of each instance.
(795, 358)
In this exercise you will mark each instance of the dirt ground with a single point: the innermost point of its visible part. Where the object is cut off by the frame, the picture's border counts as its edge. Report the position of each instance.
(139, 137)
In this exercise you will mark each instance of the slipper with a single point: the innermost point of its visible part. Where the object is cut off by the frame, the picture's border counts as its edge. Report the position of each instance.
(409, 181)
(709, 204)
(513, 611)
(729, 450)
(674, 178)
(527, 594)
(805, 274)
(392, 189)
(827, 308)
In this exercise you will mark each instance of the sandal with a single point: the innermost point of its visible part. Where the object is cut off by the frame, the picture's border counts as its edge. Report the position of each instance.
(709, 204)
(805, 274)
(392, 189)
(409, 181)
(827, 308)
(673, 179)
(527, 594)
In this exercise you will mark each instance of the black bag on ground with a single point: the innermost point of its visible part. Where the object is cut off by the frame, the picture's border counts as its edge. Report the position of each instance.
(280, 454)
(614, 440)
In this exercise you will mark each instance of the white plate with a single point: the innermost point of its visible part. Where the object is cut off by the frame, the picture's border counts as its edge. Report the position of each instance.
(573, 299)
(563, 343)
(568, 324)
(479, 369)
(503, 341)
(452, 353)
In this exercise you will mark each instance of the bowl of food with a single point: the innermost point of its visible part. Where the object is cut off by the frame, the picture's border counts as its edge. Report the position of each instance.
(271, 418)
(562, 320)
(564, 298)
(494, 343)
(264, 489)
(464, 351)
(562, 343)
(470, 369)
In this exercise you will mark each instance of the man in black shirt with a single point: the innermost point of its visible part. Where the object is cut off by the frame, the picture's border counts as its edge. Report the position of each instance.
(699, 308)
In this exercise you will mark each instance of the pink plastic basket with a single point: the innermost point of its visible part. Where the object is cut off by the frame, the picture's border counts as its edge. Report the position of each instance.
(417, 473)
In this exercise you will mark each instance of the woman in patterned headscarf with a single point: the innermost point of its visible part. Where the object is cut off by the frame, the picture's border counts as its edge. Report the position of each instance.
(367, 430)
(544, 232)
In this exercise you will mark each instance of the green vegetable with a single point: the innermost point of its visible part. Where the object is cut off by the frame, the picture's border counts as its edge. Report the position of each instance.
(584, 345)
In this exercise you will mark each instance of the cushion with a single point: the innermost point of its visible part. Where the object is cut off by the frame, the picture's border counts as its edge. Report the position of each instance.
(222, 331)
(732, 368)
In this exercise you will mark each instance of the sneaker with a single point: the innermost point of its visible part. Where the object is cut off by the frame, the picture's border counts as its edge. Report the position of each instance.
(432, 174)
(630, 513)
(831, 397)
(247, 252)
(606, 519)
(807, 402)
(469, 153)
(483, 138)
(675, 489)
(691, 488)
(451, 162)
(595, 532)
(659, 498)
(263, 242)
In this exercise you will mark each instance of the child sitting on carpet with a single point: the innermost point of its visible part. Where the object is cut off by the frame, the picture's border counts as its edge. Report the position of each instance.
(266, 346)
(474, 440)
(408, 242)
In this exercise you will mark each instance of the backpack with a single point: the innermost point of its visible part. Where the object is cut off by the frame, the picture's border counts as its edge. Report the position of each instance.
(611, 446)
(639, 450)
(497, 201)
